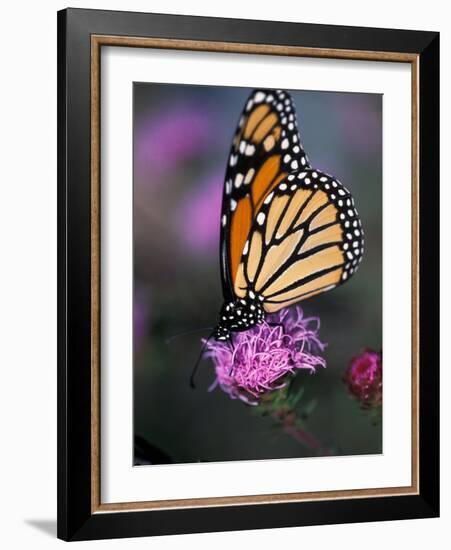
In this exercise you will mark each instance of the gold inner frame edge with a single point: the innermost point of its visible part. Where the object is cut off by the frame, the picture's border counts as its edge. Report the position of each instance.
(97, 41)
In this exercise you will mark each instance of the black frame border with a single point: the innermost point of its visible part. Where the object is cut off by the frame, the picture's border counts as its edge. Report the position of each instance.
(75, 519)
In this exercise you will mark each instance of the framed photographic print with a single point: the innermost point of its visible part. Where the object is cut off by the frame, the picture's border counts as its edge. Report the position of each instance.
(248, 274)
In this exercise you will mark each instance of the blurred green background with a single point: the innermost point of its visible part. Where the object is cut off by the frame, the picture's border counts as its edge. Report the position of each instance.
(182, 137)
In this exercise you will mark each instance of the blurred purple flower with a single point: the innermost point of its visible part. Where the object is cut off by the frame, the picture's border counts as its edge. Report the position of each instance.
(363, 377)
(164, 140)
(140, 317)
(200, 215)
(264, 356)
(360, 122)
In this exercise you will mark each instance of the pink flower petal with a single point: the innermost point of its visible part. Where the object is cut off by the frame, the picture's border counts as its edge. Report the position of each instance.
(265, 355)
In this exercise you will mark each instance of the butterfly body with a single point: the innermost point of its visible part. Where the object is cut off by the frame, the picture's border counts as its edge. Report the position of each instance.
(288, 230)
(239, 315)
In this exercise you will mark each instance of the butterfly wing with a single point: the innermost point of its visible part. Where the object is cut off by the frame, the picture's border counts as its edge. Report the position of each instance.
(265, 149)
(306, 238)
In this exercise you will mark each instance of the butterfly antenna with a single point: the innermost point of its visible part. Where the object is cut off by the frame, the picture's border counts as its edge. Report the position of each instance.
(185, 332)
(199, 359)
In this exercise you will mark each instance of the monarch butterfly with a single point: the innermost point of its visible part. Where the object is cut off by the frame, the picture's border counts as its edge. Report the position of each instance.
(288, 230)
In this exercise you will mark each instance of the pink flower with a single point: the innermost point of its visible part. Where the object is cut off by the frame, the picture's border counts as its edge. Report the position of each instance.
(201, 231)
(363, 378)
(264, 356)
(164, 141)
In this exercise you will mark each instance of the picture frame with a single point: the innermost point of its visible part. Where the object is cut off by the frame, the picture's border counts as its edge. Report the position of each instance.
(81, 36)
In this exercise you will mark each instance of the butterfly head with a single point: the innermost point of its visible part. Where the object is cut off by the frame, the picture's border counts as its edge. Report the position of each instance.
(239, 315)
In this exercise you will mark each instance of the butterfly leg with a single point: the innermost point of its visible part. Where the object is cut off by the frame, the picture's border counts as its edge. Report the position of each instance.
(199, 359)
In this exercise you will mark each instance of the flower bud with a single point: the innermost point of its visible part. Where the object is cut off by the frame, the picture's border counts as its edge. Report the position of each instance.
(363, 378)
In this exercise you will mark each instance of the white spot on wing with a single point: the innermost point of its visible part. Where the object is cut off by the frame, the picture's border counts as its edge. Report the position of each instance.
(269, 198)
(250, 150)
(249, 175)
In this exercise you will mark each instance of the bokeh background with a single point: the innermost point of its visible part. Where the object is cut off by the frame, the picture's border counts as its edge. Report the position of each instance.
(182, 137)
